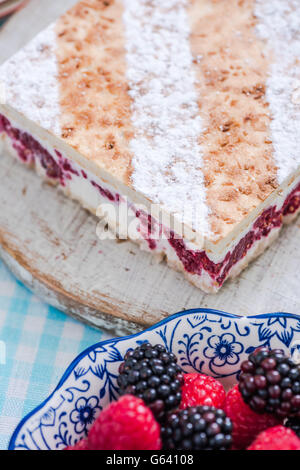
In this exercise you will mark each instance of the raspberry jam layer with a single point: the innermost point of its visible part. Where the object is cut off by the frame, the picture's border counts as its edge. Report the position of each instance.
(194, 262)
(60, 169)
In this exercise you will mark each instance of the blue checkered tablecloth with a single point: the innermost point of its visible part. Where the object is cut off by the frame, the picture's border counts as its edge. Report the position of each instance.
(37, 343)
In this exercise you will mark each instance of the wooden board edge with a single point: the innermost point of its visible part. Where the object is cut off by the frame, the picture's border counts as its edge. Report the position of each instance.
(64, 301)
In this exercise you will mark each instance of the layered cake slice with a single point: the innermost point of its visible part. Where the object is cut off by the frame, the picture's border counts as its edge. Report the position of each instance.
(178, 121)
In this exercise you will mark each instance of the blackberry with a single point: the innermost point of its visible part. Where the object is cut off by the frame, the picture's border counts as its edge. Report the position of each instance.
(270, 383)
(152, 374)
(294, 424)
(197, 428)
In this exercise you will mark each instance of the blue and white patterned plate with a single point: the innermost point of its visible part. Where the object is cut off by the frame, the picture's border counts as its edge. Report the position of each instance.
(206, 341)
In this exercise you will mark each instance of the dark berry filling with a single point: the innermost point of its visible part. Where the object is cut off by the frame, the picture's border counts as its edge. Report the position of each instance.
(196, 261)
(29, 149)
(104, 192)
(65, 165)
(292, 202)
(148, 226)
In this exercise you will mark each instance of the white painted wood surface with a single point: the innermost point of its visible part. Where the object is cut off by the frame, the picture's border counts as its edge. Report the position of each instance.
(50, 243)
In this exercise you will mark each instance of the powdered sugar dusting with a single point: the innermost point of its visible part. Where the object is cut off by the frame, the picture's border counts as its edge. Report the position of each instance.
(30, 79)
(279, 25)
(167, 157)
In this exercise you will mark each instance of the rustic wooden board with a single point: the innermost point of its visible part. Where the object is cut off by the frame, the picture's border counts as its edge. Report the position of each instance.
(50, 244)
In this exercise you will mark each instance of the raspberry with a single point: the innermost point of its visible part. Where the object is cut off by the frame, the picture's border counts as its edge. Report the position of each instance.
(246, 423)
(270, 383)
(200, 389)
(152, 374)
(294, 424)
(198, 428)
(277, 438)
(125, 425)
(81, 445)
